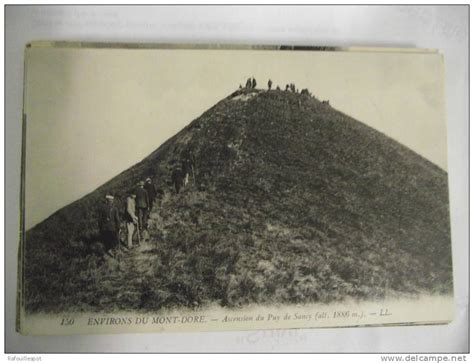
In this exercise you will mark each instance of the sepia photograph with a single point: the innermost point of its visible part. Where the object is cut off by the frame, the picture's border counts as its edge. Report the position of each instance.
(193, 188)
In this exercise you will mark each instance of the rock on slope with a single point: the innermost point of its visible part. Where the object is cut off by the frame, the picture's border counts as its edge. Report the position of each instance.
(292, 201)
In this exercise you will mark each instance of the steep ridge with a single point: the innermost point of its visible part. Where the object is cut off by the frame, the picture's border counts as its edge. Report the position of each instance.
(291, 201)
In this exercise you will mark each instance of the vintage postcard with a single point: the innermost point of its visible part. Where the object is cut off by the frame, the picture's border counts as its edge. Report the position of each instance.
(197, 188)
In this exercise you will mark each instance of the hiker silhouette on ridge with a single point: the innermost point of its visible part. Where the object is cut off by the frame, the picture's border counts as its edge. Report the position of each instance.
(248, 84)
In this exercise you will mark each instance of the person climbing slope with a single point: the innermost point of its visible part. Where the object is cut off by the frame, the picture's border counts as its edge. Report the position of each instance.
(109, 224)
(131, 218)
(142, 207)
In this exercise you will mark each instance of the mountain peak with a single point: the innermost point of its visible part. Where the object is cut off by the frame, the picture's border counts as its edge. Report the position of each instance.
(289, 200)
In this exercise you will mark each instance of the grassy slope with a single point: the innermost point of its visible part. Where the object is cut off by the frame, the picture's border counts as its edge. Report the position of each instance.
(293, 201)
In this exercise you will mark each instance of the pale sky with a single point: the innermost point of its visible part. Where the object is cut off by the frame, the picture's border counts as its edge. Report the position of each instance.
(92, 113)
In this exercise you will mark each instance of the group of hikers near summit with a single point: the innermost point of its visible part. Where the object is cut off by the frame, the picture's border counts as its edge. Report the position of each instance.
(139, 203)
(290, 87)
